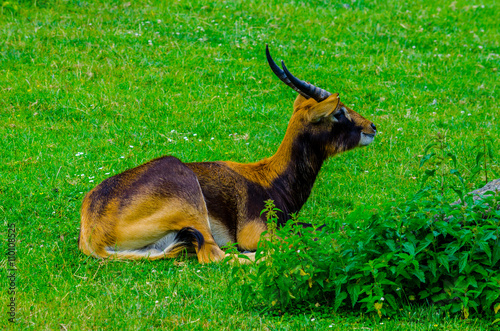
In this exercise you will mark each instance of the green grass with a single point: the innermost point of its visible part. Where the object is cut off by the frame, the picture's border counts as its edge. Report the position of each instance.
(90, 89)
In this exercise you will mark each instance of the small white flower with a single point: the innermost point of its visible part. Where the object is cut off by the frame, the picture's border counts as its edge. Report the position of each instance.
(312, 319)
(107, 173)
(122, 157)
(159, 21)
(382, 299)
(131, 146)
(212, 138)
(198, 270)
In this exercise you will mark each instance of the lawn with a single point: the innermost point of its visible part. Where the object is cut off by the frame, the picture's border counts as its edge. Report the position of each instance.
(89, 89)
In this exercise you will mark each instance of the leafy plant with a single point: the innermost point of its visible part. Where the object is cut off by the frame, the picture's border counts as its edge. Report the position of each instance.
(442, 163)
(424, 251)
(485, 157)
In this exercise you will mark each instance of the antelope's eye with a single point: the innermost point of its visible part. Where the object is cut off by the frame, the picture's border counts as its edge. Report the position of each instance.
(339, 115)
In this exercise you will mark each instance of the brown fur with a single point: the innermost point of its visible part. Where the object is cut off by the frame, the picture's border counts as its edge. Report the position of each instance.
(206, 205)
(249, 235)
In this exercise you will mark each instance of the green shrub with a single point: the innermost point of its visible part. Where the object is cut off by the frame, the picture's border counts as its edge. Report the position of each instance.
(381, 261)
(422, 251)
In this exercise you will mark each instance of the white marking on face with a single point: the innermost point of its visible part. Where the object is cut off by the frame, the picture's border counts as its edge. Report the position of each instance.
(340, 111)
(333, 118)
(366, 139)
(346, 114)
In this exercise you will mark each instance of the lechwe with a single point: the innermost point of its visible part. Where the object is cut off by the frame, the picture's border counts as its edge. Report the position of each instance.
(158, 209)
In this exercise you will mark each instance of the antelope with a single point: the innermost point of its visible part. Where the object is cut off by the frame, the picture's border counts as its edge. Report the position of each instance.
(163, 207)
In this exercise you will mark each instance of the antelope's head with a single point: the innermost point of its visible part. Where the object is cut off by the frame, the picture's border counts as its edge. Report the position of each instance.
(322, 117)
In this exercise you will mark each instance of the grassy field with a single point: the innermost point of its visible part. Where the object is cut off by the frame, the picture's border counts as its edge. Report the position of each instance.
(89, 89)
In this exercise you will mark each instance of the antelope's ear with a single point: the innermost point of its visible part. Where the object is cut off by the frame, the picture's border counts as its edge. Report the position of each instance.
(300, 101)
(324, 108)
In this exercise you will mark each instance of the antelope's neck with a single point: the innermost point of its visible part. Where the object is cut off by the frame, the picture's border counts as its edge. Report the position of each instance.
(289, 175)
(297, 163)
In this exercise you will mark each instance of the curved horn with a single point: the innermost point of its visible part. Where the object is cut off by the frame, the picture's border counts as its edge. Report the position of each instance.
(281, 74)
(315, 92)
